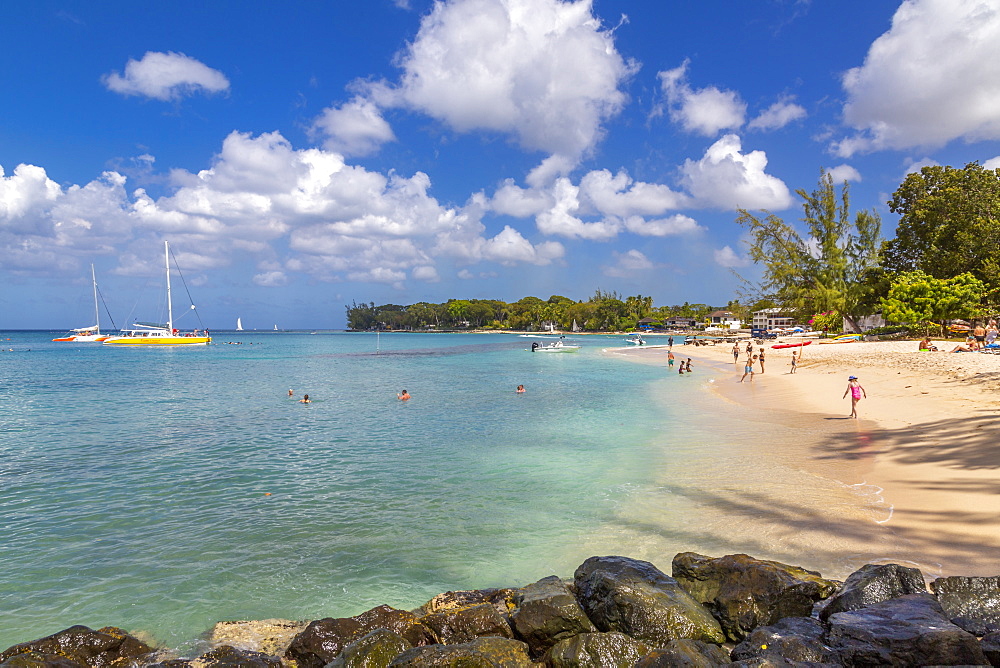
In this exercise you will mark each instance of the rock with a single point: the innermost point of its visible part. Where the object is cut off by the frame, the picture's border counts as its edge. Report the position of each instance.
(270, 636)
(685, 653)
(874, 583)
(792, 638)
(636, 598)
(480, 653)
(375, 650)
(323, 639)
(990, 644)
(909, 630)
(226, 656)
(547, 612)
(501, 599)
(607, 650)
(109, 647)
(744, 593)
(38, 660)
(971, 603)
(461, 625)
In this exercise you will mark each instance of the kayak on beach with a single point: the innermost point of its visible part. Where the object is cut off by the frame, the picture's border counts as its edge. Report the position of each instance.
(797, 344)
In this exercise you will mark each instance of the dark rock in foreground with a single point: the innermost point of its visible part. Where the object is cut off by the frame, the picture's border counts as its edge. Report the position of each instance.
(480, 653)
(613, 650)
(636, 598)
(910, 630)
(972, 603)
(872, 584)
(109, 647)
(547, 612)
(793, 638)
(744, 593)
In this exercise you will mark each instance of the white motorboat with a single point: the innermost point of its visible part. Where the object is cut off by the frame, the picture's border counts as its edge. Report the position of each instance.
(636, 340)
(554, 347)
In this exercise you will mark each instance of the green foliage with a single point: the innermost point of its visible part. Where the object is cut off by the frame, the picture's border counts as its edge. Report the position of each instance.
(829, 322)
(825, 269)
(949, 223)
(916, 298)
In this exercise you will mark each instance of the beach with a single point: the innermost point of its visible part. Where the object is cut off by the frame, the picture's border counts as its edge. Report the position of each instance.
(925, 440)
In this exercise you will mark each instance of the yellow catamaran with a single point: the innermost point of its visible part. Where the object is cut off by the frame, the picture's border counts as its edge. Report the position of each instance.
(149, 334)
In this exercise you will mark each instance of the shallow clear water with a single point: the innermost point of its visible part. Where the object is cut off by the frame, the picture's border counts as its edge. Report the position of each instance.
(162, 490)
(134, 483)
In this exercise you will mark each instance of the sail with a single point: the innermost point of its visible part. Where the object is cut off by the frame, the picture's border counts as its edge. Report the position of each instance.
(239, 324)
(576, 328)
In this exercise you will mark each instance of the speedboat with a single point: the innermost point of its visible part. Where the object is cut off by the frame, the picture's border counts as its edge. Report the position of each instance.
(554, 347)
(636, 340)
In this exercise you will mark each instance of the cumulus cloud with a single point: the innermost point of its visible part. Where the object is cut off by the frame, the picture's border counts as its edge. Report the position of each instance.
(728, 179)
(543, 72)
(353, 129)
(933, 77)
(166, 76)
(704, 111)
(627, 264)
(339, 222)
(992, 163)
(842, 173)
(778, 115)
(727, 257)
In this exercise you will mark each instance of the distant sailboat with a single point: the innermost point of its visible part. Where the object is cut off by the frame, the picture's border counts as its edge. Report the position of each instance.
(576, 328)
(276, 328)
(87, 333)
(239, 324)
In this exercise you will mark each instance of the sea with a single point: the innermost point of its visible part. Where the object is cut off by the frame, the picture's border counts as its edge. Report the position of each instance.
(164, 489)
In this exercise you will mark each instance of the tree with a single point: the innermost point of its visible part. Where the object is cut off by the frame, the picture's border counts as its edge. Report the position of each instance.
(949, 223)
(916, 298)
(824, 270)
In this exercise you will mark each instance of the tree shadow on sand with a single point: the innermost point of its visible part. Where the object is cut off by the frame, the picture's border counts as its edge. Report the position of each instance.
(971, 443)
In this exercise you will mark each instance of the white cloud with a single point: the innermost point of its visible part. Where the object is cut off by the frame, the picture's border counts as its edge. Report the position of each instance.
(992, 163)
(705, 111)
(166, 76)
(778, 115)
(270, 279)
(619, 195)
(560, 218)
(727, 257)
(354, 129)
(542, 71)
(933, 77)
(259, 195)
(842, 173)
(915, 166)
(727, 179)
(627, 264)
(662, 227)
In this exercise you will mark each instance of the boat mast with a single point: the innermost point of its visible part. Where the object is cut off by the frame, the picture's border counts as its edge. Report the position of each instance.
(97, 311)
(170, 308)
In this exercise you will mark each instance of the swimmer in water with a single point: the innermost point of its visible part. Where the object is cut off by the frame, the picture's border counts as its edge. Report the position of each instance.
(403, 396)
(305, 400)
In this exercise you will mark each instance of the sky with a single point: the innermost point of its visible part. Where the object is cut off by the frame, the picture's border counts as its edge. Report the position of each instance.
(303, 156)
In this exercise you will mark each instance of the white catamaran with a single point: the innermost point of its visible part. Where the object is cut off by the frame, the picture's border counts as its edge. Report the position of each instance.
(149, 334)
(85, 334)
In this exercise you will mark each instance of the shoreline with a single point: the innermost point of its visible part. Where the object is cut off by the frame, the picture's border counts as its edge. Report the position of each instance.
(923, 441)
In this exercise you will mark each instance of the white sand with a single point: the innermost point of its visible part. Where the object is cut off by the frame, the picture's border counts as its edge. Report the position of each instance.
(928, 435)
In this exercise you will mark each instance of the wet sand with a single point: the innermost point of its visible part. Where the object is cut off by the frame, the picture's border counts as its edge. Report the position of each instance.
(913, 480)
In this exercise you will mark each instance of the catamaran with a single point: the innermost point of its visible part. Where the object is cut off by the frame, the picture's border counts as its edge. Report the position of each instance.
(85, 334)
(239, 324)
(152, 334)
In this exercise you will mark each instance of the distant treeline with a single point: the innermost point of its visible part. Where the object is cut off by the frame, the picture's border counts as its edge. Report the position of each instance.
(605, 311)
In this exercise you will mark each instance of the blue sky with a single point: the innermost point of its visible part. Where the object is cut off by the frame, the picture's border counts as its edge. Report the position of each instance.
(299, 156)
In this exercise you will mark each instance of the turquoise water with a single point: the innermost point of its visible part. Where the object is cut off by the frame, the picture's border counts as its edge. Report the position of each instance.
(162, 490)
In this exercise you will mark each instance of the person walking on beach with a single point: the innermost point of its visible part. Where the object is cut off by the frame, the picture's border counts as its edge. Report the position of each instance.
(670, 342)
(748, 369)
(749, 349)
(794, 362)
(670, 360)
(689, 365)
(854, 387)
(761, 356)
(736, 353)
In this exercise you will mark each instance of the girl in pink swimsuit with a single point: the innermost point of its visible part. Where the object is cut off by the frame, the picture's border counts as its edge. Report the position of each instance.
(854, 387)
